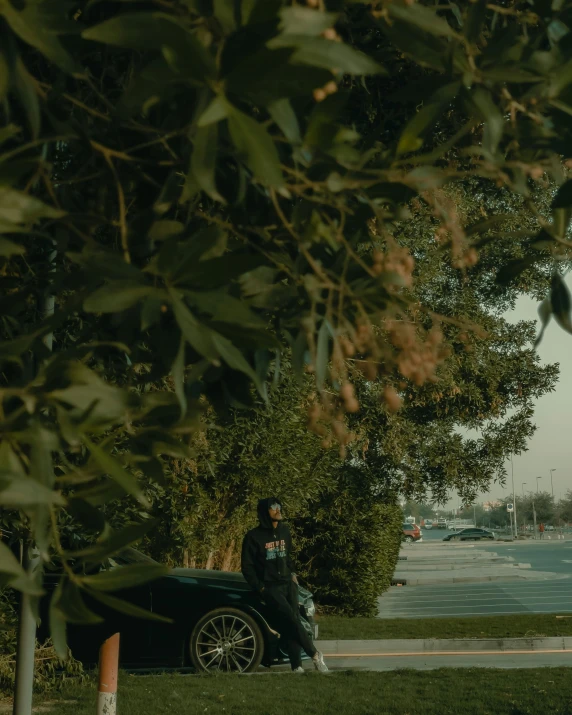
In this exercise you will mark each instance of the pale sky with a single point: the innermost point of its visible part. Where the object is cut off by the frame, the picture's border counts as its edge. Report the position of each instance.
(551, 445)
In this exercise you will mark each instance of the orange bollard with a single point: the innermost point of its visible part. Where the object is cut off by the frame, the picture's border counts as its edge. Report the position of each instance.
(108, 669)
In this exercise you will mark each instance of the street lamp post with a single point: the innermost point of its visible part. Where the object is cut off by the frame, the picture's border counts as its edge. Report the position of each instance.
(513, 498)
(523, 519)
(537, 478)
(551, 485)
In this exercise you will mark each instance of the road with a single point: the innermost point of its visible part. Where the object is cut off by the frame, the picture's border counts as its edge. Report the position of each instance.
(427, 661)
(492, 598)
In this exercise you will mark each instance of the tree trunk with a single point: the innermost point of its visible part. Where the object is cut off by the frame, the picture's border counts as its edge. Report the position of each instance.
(227, 558)
(210, 560)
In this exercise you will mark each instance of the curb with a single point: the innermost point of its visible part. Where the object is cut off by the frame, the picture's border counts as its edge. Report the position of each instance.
(431, 645)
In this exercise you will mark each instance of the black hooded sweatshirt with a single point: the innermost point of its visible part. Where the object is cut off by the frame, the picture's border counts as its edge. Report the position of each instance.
(266, 551)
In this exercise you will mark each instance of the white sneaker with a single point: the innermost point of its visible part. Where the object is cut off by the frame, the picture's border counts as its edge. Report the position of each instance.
(299, 669)
(319, 663)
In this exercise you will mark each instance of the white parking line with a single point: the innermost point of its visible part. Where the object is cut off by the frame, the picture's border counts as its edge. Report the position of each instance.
(437, 608)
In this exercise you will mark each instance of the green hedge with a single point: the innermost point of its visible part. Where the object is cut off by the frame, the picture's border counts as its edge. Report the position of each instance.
(347, 550)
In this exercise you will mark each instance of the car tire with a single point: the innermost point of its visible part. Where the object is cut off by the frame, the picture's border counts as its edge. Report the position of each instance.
(408, 539)
(227, 640)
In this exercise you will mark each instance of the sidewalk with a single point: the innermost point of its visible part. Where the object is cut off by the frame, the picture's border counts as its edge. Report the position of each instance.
(369, 648)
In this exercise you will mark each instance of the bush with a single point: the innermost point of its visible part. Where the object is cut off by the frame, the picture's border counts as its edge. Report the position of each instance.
(348, 548)
(50, 671)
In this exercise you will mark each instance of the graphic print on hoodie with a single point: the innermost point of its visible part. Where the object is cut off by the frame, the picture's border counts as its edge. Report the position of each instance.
(266, 550)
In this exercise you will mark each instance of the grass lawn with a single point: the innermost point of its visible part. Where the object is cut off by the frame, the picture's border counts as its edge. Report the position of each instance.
(516, 626)
(406, 692)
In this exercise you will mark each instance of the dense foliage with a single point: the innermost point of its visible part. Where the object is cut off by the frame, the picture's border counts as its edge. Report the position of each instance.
(187, 187)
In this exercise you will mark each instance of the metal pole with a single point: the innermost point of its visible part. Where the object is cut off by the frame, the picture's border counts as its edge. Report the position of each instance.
(523, 518)
(26, 643)
(24, 685)
(108, 669)
(513, 498)
(552, 485)
(534, 514)
(537, 478)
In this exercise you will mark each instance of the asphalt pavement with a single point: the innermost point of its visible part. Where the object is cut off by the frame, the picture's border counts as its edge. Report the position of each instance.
(550, 594)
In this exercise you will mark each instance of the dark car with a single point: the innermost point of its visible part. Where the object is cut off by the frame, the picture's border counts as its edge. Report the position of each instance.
(470, 535)
(219, 622)
(411, 532)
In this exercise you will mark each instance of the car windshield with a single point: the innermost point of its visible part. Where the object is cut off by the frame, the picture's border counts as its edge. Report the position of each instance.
(130, 556)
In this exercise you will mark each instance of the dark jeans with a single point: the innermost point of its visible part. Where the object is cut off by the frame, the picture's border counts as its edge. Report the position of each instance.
(283, 600)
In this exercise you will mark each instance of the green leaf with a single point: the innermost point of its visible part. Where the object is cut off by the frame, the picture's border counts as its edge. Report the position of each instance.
(563, 198)
(224, 308)
(178, 372)
(116, 471)
(117, 296)
(256, 147)
(129, 609)
(491, 114)
(327, 54)
(269, 75)
(545, 313)
(31, 27)
(560, 301)
(165, 229)
(215, 112)
(282, 113)
(474, 19)
(422, 17)
(9, 248)
(9, 131)
(203, 160)
(111, 542)
(58, 624)
(25, 88)
(71, 605)
(417, 128)
(224, 11)
(198, 336)
(4, 86)
(157, 31)
(125, 576)
(510, 73)
(9, 564)
(17, 492)
(305, 21)
(235, 359)
(322, 354)
(19, 207)
(513, 269)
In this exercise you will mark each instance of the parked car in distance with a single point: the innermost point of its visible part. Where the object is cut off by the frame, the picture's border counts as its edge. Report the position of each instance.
(472, 534)
(218, 622)
(411, 533)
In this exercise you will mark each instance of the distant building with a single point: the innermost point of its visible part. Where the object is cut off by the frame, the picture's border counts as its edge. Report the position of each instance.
(488, 505)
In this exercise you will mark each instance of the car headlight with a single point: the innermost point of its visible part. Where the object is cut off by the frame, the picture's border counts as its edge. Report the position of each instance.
(310, 609)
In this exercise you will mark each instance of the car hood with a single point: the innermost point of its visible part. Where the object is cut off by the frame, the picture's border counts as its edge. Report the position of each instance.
(229, 578)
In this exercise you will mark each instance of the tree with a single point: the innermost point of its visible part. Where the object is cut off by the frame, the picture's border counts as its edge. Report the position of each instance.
(194, 186)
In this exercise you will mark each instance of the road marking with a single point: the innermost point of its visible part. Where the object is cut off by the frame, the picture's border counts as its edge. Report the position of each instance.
(439, 595)
(442, 652)
(523, 612)
(436, 608)
(498, 597)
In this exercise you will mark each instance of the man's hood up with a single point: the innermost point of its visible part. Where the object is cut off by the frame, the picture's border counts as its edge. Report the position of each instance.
(262, 509)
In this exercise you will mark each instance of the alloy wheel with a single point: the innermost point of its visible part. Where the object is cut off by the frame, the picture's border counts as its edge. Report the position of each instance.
(226, 642)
